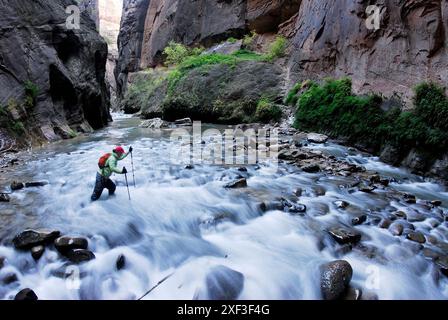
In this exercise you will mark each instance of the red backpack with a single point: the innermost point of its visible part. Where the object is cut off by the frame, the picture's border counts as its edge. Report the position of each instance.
(103, 160)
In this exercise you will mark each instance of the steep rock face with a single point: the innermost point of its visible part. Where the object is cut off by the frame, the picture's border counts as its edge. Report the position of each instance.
(91, 7)
(130, 40)
(64, 68)
(330, 38)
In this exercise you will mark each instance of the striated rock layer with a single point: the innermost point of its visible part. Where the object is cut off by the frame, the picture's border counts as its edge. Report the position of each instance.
(51, 78)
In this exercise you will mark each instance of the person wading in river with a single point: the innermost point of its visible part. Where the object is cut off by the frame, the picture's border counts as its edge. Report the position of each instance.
(108, 166)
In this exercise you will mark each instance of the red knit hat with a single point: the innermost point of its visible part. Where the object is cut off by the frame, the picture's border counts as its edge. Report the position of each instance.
(119, 150)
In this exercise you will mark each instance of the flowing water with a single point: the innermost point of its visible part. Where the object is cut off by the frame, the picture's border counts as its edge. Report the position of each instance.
(182, 223)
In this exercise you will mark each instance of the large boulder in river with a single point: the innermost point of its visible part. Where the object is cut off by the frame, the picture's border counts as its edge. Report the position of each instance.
(316, 138)
(4, 197)
(26, 295)
(78, 256)
(65, 244)
(222, 283)
(32, 238)
(335, 278)
(345, 235)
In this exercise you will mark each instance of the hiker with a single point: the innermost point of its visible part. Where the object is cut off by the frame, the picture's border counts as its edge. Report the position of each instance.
(108, 166)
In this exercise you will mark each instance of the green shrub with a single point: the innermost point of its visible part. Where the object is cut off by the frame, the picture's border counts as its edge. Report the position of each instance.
(143, 88)
(244, 54)
(277, 49)
(291, 98)
(18, 127)
(267, 111)
(232, 40)
(249, 39)
(31, 89)
(176, 53)
(331, 108)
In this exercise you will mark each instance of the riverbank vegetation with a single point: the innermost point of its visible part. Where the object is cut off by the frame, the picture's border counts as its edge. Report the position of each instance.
(332, 108)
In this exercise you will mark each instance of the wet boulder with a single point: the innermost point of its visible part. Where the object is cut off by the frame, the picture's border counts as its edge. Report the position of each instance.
(17, 186)
(26, 295)
(442, 263)
(4, 197)
(311, 168)
(65, 244)
(78, 256)
(335, 279)
(121, 262)
(385, 223)
(344, 235)
(360, 219)
(353, 294)
(222, 283)
(35, 184)
(241, 183)
(2, 262)
(341, 204)
(155, 123)
(416, 236)
(293, 208)
(366, 189)
(436, 203)
(396, 229)
(316, 138)
(415, 217)
(32, 238)
(9, 278)
(37, 252)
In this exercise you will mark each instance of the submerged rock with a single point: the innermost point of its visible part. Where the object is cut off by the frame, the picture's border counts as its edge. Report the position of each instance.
(291, 207)
(121, 262)
(344, 235)
(222, 283)
(64, 244)
(37, 252)
(396, 229)
(2, 262)
(341, 204)
(186, 122)
(335, 278)
(442, 263)
(4, 197)
(353, 294)
(80, 255)
(26, 295)
(32, 238)
(359, 220)
(241, 183)
(17, 186)
(35, 184)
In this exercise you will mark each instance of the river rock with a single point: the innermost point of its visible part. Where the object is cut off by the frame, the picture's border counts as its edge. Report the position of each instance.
(26, 295)
(32, 238)
(442, 263)
(415, 217)
(359, 219)
(430, 254)
(291, 207)
(311, 168)
(17, 186)
(409, 198)
(436, 203)
(396, 229)
(366, 189)
(37, 252)
(2, 262)
(121, 262)
(35, 184)
(298, 192)
(335, 278)
(64, 244)
(400, 214)
(341, 204)
(241, 183)
(80, 255)
(155, 123)
(385, 223)
(186, 122)
(344, 235)
(222, 283)
(416, 236)
(353, 294)
(4, 197)
(316, 138)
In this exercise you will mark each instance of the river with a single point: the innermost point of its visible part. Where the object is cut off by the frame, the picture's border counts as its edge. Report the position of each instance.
(182, 223)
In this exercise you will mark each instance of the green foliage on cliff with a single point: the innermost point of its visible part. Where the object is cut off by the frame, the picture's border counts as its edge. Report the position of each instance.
(333, 109)
(291, 97)
(176, 53)
(277, 49)
(267, 111)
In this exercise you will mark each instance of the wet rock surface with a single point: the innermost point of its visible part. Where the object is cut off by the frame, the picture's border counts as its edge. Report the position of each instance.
(32, 238)
(222, 283)
(26, 295)
(335, 278)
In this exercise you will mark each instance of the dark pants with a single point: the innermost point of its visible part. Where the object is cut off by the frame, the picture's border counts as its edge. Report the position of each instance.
(101, 184)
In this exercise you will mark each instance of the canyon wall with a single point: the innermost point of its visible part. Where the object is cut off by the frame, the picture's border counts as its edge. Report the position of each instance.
(326, 38)
(51, 77)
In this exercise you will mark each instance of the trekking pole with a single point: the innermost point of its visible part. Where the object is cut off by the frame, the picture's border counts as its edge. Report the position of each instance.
(127, 185)
(133, 174)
